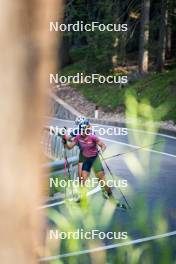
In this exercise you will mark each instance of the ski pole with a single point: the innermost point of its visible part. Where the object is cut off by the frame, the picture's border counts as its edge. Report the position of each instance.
(68, 169)
(125, 153)
(66, 165)
(113, 179)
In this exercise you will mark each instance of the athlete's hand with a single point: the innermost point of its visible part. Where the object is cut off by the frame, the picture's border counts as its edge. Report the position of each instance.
(64, 140)
(103, 148)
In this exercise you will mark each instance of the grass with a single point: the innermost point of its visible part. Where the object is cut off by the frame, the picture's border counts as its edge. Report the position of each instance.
(158, 89)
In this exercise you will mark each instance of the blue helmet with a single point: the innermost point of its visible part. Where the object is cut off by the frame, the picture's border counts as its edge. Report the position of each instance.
(79, 120)
(85, 124)
(82, 120)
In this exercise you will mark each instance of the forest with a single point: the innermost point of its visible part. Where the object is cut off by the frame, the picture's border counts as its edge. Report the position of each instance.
(145, 51)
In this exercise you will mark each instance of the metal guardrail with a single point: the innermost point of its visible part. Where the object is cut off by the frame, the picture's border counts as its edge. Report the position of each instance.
(54, 150)
(58, 165)
(53, 146)
(56, 168)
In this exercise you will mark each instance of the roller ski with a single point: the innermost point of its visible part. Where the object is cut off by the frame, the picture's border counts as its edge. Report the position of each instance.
(109, 196)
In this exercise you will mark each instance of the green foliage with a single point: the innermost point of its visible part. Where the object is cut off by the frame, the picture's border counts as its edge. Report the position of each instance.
(99, 56)
(95, 213)
(158, 89)
(95, 48)
(78, 54)
(54, 189)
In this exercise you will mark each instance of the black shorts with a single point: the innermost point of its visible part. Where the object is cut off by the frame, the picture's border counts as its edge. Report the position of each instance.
(92, 162)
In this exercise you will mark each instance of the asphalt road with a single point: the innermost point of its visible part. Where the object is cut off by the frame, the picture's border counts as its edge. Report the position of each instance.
(151, 173)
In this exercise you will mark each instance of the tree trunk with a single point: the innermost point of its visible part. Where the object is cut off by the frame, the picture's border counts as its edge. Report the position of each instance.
(162, 37)
(27, 55)
(169, 37)
(144, 38)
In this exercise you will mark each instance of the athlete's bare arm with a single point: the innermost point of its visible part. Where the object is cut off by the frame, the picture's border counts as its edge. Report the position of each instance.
(70, 145)
(101, 145)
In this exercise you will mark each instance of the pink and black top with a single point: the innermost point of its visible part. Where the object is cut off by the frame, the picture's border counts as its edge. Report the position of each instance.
(87, 145)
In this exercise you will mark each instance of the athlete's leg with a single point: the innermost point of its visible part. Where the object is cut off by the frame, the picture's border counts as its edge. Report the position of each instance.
(99, 171)
(101, 178)
(80, 164)
(86, 168)
(81, 179)
(84, 175)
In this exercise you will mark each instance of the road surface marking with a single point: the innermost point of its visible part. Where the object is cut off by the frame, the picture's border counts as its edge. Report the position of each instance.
(134, 146)
(128, 243)
(130, 129)
(95, 190)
